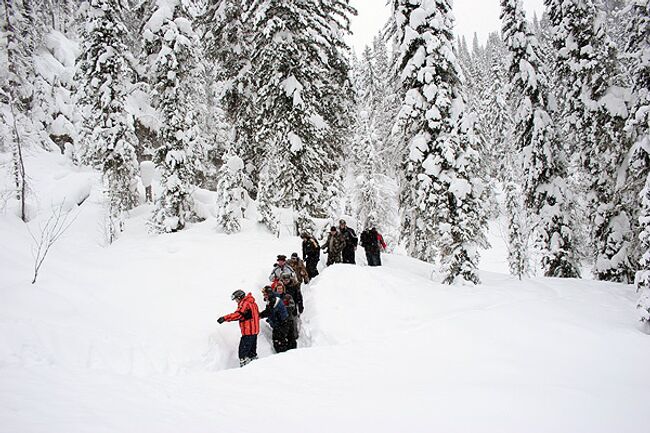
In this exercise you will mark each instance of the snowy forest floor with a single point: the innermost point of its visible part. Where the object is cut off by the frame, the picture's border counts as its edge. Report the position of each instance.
(124, 339)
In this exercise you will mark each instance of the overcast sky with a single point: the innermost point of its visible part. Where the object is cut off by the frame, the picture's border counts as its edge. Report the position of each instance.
(480, 16)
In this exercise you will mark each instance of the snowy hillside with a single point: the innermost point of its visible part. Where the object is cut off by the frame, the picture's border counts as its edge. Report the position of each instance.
(157, 157)
(124, 338)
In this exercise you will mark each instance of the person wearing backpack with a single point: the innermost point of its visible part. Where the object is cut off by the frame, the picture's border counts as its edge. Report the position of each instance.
(248, 316)
(277, 316)
(290, 304)
(373, 242)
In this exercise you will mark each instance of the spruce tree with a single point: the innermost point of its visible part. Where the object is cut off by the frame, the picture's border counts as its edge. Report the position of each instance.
(104, 76)
(231, 194)
(440, 205)
(638, 48)
(594, 115)
(547, 198)
(19, 128)
(300, 94)
(375, 198)
(174, 77)
(228, 43)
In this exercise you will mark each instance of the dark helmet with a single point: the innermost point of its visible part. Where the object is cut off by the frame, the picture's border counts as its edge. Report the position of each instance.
(294, 255)
(237, 295)
(285, 276)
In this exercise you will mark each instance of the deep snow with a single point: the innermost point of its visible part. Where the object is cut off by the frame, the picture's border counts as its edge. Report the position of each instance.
(124, 338)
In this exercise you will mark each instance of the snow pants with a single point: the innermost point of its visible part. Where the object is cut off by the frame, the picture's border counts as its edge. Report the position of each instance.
(374, 257)
(248, 347)
(281, 336)
(333, 257)
(311, 265)
(292, 337)
(348, 255)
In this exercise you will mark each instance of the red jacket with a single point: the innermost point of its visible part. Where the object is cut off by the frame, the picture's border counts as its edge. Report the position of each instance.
(380, 239)
(248, 315)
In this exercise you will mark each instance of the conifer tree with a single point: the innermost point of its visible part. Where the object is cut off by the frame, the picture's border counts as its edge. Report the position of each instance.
(109, 141)
(547, 198)
(230, 192)
(228, 43)
(174, 76)
(594, 112)
(440, 205)
(19, 128)
(518, 257)
(301, 85)
(376, 201)
(638, 47)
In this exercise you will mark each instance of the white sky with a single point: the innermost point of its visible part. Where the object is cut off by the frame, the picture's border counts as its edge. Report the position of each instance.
(480, 16)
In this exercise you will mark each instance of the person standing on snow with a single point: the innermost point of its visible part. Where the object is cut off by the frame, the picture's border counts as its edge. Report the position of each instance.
(350, 242)
(299, 268)
(287, 299)
(277, 316)
(293, 288)
(280, 268)
(334, 246)
(373, 242)
(248, 316)
(310, 254)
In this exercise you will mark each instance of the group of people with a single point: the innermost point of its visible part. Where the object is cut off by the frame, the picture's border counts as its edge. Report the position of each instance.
(283, 295)
(284, 305)
(342, 243)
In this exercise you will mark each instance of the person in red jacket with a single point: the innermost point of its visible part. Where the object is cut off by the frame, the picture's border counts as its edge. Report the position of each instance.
(248, 316)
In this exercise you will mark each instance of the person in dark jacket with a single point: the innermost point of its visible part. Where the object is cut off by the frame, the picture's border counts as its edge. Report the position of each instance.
(373, 242)
(287, 299)
(350, 242)
(293, 288)
(334, 246)
(248, 316)
(310, 254)
(277, 316)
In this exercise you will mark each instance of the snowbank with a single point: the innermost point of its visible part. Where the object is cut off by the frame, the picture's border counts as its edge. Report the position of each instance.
(124, 339)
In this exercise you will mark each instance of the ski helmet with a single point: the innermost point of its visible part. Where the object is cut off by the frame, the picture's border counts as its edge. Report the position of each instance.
(237, 295)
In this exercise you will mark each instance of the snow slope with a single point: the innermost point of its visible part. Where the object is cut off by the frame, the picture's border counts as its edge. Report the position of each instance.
(124, 339)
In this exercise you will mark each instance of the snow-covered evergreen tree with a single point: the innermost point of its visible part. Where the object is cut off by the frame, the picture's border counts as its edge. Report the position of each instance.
(495, 111)
(17, 90)
(228, 43)
(375, 199)
(385, 105)
(104, 76)
(594, 112)
(518, 257)
(638, 47)
(301, 91)
(440, 205)
(174, 75)
(544, 167)
(231, 193)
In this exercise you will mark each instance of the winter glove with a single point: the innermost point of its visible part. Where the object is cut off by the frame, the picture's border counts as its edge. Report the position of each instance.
(220, 320)
(301, 308)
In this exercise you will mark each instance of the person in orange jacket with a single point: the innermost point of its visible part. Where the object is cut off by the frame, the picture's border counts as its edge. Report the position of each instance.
(248, 316)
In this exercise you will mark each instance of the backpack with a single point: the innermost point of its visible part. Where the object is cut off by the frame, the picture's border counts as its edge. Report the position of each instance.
(367, 240)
